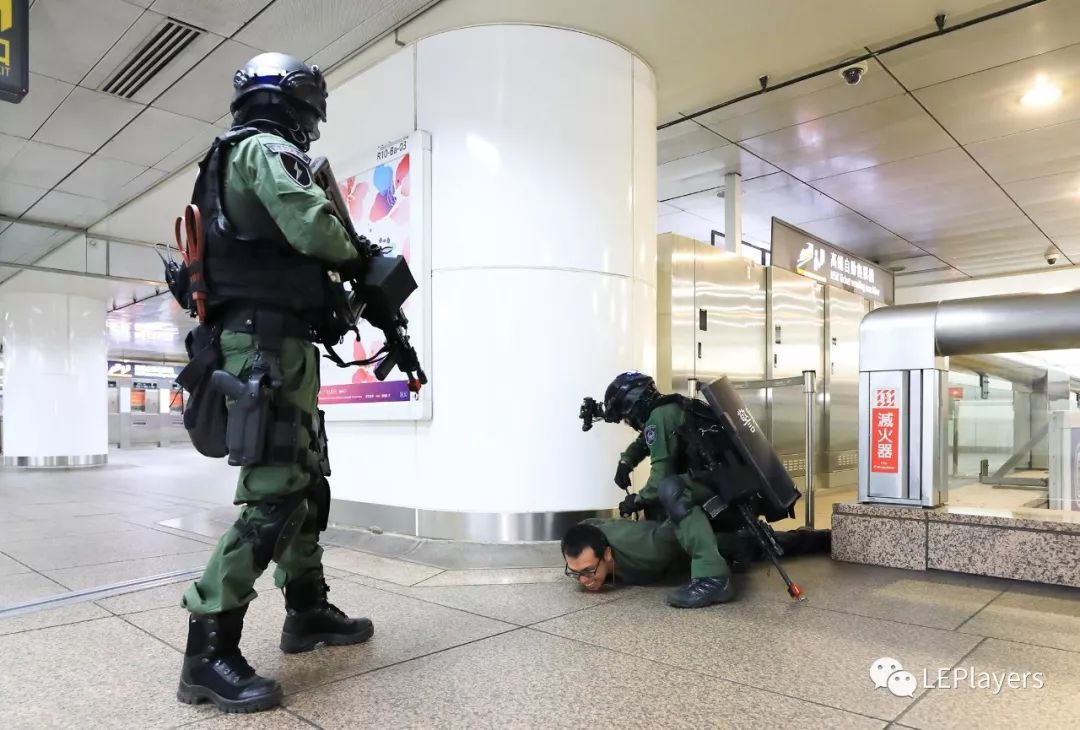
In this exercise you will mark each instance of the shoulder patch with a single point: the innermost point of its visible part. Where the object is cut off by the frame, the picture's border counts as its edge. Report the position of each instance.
(295, 162)
(650, 435)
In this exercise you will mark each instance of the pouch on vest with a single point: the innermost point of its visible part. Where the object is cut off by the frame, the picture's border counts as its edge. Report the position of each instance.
(205, 418)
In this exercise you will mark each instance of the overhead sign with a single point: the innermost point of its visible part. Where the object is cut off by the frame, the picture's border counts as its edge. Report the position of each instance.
(14, 50)
(142, 370)
(885, 441)
(798, 251)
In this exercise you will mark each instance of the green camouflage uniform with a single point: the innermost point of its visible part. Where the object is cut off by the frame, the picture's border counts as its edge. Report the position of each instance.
(267, 196)
(659, 440)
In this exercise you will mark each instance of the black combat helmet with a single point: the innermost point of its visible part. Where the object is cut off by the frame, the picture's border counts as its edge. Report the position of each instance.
(280, 91)
(629, 398)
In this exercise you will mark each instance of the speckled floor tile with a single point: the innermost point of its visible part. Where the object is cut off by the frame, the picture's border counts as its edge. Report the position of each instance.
(924, 598)
(805, 652)
(404, 628)
(387, 545)
(94, 576)
(275, 720)
(530, 680)
(34, 530)
(1055, 705)
(97, 674)
(51, 617)
(1032, 614)
(519, 604)
(81, 550)
(9, 566)
(495, 576)
(470, 555)
(24, 587)
(376, 566)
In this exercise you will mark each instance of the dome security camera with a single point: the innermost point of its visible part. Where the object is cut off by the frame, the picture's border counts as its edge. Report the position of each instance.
(854, 73)
(1051, 256)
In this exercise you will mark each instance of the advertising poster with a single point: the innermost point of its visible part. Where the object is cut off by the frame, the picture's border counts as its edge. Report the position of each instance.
(388, 203)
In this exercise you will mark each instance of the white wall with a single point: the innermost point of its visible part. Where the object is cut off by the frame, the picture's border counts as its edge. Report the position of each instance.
(1051, 281)
(543, 264)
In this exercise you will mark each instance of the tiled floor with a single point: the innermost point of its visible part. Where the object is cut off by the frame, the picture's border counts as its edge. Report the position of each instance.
(472, 636)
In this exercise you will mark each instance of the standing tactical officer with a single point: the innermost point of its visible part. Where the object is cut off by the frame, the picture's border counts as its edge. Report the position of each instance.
(632, 398)
(270, 237)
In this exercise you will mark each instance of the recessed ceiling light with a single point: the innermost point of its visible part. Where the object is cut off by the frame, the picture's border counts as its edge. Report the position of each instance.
(1042, 93)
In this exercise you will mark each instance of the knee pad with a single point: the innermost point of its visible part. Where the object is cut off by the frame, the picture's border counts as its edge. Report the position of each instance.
(670, 493)
(272, 538)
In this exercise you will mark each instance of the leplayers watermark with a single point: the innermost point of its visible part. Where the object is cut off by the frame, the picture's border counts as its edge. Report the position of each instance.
(889, 673)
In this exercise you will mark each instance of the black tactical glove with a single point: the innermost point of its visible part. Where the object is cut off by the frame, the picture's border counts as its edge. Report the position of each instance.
(622, 475)
(630, 505)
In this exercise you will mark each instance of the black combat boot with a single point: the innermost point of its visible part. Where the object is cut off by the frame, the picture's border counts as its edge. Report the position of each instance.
(215, 671)
(701, 592)
(311, 619)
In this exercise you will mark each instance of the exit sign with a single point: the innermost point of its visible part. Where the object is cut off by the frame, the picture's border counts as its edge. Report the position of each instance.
(14, 50)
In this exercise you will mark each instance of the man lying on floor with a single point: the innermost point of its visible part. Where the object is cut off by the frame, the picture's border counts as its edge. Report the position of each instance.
(601, 552)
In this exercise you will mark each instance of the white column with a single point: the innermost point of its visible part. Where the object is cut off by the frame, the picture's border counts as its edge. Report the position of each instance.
(733, 212)
(543, 285)
(55, 389)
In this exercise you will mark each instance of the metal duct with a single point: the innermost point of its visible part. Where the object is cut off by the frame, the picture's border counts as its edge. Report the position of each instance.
(1016, 323)
(998, 367)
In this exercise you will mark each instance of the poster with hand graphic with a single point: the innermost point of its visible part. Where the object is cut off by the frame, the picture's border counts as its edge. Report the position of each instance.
(388, 203)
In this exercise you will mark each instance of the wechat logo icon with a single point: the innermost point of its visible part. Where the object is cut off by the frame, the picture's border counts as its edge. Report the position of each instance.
(888, 672)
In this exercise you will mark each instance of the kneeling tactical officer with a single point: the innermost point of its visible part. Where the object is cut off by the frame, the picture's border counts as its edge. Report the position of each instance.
(633, 398)
(269, 236)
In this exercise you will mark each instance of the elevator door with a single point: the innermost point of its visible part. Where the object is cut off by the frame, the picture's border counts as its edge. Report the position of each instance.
(845, 312)
(797, 337)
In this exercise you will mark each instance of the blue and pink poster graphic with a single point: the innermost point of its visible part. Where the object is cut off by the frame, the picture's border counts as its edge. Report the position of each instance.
(386, 205)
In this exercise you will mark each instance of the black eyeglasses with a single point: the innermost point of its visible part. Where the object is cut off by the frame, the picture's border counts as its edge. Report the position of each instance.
(587, 573)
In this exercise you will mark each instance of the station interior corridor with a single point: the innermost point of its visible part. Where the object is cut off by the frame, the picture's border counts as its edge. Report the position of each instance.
(495, 636)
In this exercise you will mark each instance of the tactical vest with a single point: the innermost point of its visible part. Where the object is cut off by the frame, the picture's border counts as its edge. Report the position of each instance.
(239, 269)
(687, 459)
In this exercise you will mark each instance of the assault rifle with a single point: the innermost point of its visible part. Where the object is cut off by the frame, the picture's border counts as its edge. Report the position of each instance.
(378, 287)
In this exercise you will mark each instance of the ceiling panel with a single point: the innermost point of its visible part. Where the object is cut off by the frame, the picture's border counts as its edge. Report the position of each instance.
(1053, 202)
(706, 170)
(1020, 238)
(16, 199)
(690, 225)
(213, 15)
(799, 103)
(140, 184)
(143, 29)
(151, 328)
(1026, 155)
(665, 209)
(86, 120)
(914, 264)
(859, 236)
(873, 134)
(41, 165)
(67, 209)
(685, 140)
(784, 197)
(389, 17)
(301, 27)
(924, 197)
(25, 244)
(67, 37)
(153, 135)
(206, 91)
(987, 104)
(192, 150)
(1029, 32)
(1070, 245)
(100, 177)
(24, 118)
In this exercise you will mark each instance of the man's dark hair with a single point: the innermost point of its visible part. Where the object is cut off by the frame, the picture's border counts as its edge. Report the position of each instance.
(582, 536)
